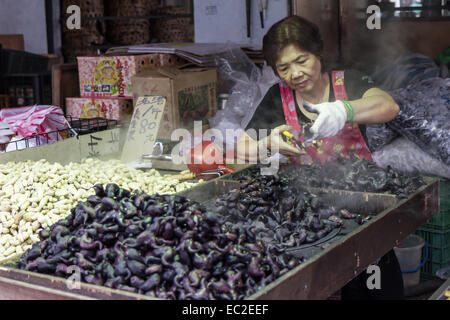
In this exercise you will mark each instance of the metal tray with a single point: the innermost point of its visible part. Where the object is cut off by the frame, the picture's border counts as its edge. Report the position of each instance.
(441, 293)
(347, 254)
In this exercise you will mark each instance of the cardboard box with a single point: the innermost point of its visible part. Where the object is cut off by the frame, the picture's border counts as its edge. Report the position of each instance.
(110, 76)
(190, 94)
(107, 108)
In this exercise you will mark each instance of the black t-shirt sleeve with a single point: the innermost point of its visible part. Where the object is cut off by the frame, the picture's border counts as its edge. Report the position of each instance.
(356, 84)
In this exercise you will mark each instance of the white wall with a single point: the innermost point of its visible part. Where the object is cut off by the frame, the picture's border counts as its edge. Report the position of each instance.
(226, 20)
(25, 17)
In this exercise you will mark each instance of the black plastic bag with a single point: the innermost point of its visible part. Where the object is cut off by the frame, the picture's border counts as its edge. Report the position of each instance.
(424, 116)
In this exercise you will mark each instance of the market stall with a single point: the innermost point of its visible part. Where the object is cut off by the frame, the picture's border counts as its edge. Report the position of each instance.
(77, 189)
(348, 249)
(111, 192)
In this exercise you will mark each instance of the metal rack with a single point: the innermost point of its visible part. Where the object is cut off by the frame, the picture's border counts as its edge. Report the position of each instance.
(39, 139)
(78, 126)
(84, 126)
(426, 11)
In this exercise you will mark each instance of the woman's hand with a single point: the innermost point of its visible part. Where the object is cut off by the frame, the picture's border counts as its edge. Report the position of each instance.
(376, 106)
(256, 150)
(331, 120)
(276, 143)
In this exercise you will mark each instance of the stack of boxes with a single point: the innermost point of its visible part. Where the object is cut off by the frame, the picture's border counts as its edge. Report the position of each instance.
(105, 84)
(110, 84)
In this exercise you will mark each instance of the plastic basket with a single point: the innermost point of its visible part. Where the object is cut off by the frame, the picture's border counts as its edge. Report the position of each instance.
(441, 221)
(21, 62)
(435, 239)
(438, 251)
(429, 269)
(426, 276)
(439, 254)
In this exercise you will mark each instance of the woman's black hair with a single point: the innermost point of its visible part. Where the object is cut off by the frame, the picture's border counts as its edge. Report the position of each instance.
(293, 30)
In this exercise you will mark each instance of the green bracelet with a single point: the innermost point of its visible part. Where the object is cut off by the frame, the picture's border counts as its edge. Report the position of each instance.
(349, 108)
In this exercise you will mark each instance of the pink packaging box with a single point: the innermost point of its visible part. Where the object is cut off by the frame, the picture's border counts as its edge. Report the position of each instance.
(107, 108)
(110, 76)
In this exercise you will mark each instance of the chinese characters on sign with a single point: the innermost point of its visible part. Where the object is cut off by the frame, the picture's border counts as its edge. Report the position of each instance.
(93, 152)
(100, 144)
(144, 126)
(114, 141)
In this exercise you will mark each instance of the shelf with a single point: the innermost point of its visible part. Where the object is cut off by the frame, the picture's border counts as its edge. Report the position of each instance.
(15, 75)
(421, 8)
(415, 19)
(434, 13)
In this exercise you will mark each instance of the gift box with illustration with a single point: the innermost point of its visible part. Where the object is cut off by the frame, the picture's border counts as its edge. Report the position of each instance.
(107, 108)
(110, 76)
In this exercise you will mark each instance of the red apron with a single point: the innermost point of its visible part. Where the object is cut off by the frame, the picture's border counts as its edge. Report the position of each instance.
(348, 140)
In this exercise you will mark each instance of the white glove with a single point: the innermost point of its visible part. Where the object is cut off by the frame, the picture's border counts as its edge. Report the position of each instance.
(331, 120)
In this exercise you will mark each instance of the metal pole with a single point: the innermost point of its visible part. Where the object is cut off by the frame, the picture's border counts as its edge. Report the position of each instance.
(50, 28)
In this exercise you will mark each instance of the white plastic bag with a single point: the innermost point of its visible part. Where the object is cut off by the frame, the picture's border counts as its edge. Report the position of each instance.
(43, 122)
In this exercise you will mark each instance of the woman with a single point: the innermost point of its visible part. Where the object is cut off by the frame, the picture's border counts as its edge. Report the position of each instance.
(342, 103)
(293, 48)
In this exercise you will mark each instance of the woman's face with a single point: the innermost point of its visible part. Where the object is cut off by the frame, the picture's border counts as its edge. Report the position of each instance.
(300, 69)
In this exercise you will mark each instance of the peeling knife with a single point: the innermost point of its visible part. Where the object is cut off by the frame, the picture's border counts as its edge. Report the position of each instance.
(291, 137)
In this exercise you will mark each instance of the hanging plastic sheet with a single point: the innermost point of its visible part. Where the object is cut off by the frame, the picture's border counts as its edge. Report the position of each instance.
(379, 135)
(247, 86)
(405, 156)
(407, 69)
(424, 116)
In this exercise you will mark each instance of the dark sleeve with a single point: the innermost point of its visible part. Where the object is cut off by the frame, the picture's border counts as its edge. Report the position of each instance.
(269, 114)
(357, 83)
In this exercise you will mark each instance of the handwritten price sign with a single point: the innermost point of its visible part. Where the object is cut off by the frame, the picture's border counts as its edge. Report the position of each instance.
(100, 144)
(144, 127)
